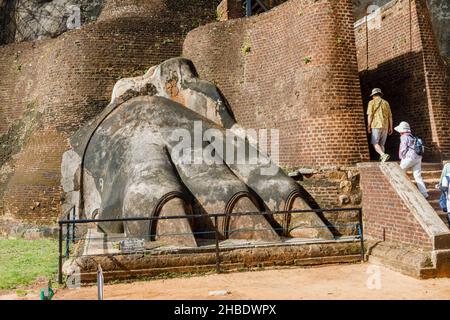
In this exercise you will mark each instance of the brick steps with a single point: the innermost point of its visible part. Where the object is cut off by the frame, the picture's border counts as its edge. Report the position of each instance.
(443, 216)
(407, 237)
(431, 173)
(428, 174)
(434, 194)
(429, 183)
(404, 259)
(432, 166)
(435, 204)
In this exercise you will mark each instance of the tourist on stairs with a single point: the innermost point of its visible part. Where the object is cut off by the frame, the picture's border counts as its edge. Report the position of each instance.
(379, 122)
(444, 201)
(409, 156)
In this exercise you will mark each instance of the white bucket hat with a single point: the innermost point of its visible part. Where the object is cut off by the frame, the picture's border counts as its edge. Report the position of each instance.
(403, 127)
(376, 91)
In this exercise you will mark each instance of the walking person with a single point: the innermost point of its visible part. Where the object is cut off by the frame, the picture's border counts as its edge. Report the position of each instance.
(379, 122)
(410, 159)
(445, 172)
(443, 185)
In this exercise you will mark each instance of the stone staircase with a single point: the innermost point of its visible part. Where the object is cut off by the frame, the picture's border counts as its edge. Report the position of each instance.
(431, 173)
(415, 236)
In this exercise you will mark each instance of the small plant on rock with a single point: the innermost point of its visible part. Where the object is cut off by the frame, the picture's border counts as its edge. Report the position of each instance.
(307, 60)
(246, 49)
(218, 16)
(167, 41)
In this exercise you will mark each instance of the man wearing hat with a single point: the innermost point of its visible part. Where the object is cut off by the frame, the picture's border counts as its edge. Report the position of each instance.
(379, 122)
(409, 158)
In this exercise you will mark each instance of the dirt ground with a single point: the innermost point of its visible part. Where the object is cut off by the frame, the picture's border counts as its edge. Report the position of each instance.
(355, 281)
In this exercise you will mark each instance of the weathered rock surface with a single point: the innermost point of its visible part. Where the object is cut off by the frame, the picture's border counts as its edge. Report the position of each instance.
(38, 19)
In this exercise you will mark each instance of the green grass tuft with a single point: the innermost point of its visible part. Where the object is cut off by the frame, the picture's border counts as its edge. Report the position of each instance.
(307, 60)
(22, 262)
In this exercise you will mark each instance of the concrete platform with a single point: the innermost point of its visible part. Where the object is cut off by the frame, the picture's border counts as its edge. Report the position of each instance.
(98, 243)
(157, 258)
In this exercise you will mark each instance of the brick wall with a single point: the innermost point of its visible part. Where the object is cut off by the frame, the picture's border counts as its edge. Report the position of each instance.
(334, 188)
(293, 69)
(49, 88)
(386, 216)
(398, 53)
(230, 9)
(440, 19)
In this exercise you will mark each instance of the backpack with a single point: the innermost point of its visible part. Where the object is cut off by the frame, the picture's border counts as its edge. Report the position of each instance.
(443, 198)
(419, 147)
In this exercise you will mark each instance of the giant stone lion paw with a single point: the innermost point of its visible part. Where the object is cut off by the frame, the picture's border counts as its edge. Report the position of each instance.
(168, 144)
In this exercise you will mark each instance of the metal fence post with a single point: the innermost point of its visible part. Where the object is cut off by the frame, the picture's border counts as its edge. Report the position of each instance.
(361, 233)
(217, 244)
(248, 8)
(73, 224)
(67, 240)
(100, 281)
(60, 255)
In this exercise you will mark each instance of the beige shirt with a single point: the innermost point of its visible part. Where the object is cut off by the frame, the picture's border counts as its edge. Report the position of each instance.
(381, 113)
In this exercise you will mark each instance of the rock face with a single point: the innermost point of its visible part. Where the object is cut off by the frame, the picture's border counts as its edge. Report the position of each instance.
(166, 145)
(37, 19)
(440, 18)
(52, 87)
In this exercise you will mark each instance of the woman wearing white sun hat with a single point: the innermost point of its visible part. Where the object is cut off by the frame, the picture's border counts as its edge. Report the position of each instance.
(409, 157)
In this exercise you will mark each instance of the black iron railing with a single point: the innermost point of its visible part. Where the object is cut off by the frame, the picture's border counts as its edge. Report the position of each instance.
(253, 7)
(70, 222)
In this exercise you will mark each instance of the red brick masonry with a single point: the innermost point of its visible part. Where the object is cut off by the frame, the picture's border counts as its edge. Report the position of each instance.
(399, 53)
(50, 88)
(394, 210)
(293, 69)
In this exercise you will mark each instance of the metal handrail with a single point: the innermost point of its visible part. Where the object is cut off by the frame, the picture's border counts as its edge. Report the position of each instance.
(70, 235)
(69, 222)
(211, 215)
